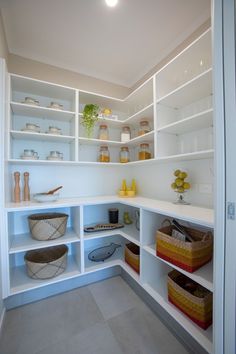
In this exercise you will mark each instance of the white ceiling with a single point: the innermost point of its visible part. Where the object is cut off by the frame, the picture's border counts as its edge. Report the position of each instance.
(119, 44)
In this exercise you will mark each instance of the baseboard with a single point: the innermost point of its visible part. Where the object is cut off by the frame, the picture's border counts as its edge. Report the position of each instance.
(2, 319)
(58, 288)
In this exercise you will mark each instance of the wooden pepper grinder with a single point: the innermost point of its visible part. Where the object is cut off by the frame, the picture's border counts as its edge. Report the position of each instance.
(17, 187)
(26, 187)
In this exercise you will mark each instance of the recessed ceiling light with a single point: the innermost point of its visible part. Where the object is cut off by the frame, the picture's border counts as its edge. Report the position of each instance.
(111, 3)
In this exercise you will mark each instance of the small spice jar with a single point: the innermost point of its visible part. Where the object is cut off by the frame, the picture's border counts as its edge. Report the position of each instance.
(103, 132)
(124, 154)
(104, 155)
(144, 127)
(144, 152)
(125, 134)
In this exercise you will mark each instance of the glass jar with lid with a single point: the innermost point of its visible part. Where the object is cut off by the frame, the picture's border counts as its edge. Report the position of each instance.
(125, 134)
(144, 152)
(144, 127)
(103, 132)
(104, 154)
(124, 154)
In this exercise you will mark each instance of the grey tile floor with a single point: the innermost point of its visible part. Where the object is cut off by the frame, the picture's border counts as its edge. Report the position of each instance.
(102, 318)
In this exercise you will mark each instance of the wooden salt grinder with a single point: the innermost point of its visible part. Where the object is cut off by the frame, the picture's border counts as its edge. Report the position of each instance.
(17, 187)
(26, 187)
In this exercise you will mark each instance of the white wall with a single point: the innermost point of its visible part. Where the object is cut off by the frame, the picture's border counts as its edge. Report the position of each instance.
(154, 181)
(76, 180)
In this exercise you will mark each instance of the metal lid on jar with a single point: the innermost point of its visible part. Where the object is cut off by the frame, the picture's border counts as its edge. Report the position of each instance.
(144, 122)
(104, 147)
(103, 126)
(126, 128)
(124, 148)
(144, 146)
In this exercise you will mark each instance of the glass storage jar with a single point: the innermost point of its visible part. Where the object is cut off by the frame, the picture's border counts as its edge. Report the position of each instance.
(124, 154)
(104, 155)
(103, 132)
(144, 127)
(125, 134)
(144, 152)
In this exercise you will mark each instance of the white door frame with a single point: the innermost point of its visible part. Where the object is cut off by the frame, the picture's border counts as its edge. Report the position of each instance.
(225, 172)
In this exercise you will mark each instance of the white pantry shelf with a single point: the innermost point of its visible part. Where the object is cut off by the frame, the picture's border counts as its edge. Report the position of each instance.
(203, 276)
(21, 135)
(129, 232)
(145, 138)
(97, 142)
(114, 260)
(24, 242)
(159, 293)
(42, 162)
(146, 112)
(192, 91)
(148, 137)
(26, 110)
(198, 155)
(20, 282)
(195, 122)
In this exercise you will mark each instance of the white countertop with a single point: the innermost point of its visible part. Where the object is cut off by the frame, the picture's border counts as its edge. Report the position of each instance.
(194, 214)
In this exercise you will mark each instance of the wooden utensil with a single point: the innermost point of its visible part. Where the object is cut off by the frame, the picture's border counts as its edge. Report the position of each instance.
(52, 191)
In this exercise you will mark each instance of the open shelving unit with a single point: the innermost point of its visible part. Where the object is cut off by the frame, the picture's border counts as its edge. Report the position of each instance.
(177, 102)
(87, 211)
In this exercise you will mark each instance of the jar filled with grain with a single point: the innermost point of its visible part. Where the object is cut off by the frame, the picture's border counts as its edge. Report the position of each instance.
(124, 154)
(144, 127)
(125, 134)
(103, 132)
(144, 152)
(104, 154)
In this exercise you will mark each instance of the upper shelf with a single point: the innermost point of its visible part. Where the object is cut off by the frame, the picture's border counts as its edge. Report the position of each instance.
(22, 109)
(21, 135)
(192, 91)
(195, 122)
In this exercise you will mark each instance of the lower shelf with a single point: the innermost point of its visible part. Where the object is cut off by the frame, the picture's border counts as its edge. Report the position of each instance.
(159, 294)
(203, 276)
(20, 282)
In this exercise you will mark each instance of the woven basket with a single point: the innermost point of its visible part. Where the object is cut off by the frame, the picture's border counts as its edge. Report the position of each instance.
(47, 262)
(132, 256)
(187, 255)
(197, 309)
(47, 226)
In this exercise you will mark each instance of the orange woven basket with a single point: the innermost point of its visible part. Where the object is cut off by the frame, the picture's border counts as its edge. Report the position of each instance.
(187, 255)
(132, 256)
(199, 310)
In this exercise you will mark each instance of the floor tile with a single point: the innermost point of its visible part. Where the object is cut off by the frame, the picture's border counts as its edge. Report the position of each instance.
(40, 324)
(98, 339)
(114, 296)
(141, 332)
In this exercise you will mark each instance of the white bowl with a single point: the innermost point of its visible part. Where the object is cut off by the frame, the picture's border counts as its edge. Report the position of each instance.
(44, 198)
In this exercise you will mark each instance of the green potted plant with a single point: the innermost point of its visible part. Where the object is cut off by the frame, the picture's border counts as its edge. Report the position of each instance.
(90, 117)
